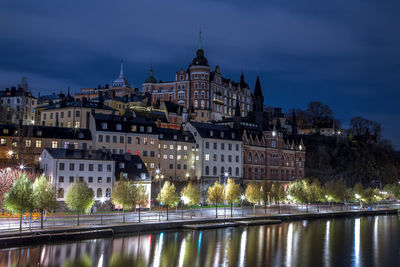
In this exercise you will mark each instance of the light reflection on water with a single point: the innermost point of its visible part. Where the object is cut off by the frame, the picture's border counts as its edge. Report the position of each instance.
(366, 241)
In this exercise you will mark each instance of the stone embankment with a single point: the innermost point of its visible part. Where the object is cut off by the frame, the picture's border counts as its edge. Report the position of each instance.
(12, 239)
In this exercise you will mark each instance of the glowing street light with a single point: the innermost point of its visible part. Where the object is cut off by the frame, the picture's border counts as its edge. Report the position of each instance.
(10, 153)
(21, 166)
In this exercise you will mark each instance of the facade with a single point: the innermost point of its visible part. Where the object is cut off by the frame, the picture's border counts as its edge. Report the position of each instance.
(75, 114)
(63, 167)
(205, 93)
(17, 105)
(25, 144)
(120, 135)
(218, 151)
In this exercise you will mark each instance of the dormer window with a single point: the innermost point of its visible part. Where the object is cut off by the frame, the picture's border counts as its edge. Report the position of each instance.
(122, 165)
(186, 138)
(133, 128)
(233, 135)
(80, 135)
(104, 125)
(118, 127)
(5, 131)
(149, 129)
(139, 166)
(222, 134)
(211, 133)
(39, 133)
(175, 137)
(142, 129)
(161, 136)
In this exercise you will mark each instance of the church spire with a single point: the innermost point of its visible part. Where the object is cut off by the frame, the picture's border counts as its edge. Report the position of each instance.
(258, 98)
(121, 73)
(200, 42)
(257, 88)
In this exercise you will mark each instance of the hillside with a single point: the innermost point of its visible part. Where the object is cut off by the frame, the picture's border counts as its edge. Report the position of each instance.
(339, 158)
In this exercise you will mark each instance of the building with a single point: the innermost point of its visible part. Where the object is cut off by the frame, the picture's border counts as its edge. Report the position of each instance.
(25, 144)
(17, 105)
(120, 87)
(63, 167)
(206, 94)
(72, 114)
(218, 152)
(133, 135)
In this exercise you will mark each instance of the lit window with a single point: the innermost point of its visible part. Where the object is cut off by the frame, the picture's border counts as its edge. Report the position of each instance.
(28, 143)
(184, 147)
(165, 156)
(178, 157)
(54, 144)
(171, 146)
(179, 147)
(171, 156)
(207, 156)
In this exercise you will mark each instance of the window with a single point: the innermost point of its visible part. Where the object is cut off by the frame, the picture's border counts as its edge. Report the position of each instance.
(171, 147)
(215, 145)
(237, 171)
(249, 158)
(207, 145)
(104, 125)
(100, 167)
(165, 156)
(255, 158)
(77, 113)
(81, 179)
(141, 129)
(184, 147)
(118, 127)
(121, 140)
(61, 179)
(138, 140)
(54, 144)
(108, 180)
(151, 153)
(28, 143)
(222, 158)
(171, 156)
(237, 147)
(108, 192)
(71, 179)
(207, 170)
(207, 157)
(229, 146)
(178, 148)
(145, 153)
(171, 166)
(90, 167)
(99, 180)
(129, 140)
(100, 139)
(77, 124)
(62, 166)
(90, 179)
(71, 166)
(99, 192)
(230, 158)
(3, 142)
(109, 167)
(81, 167)
(107, 139)
(149, 129)
(237, 158)
(114, 139)
(222, 146)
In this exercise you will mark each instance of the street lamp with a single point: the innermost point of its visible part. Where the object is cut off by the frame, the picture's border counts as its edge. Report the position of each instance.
(159, 177)
(359, 198)
(10, 153)
(226, 174)
(21, 166)
(102, 201)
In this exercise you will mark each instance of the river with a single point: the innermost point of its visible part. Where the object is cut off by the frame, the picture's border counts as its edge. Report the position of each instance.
(364, 241)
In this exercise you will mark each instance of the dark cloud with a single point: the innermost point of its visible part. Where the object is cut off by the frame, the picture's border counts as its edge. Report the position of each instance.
(344, 53)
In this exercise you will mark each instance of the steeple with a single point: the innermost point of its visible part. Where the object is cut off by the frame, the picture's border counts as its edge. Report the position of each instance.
(151, 78)
(294, 124)
(258, 98)
(200, 42)
(121, 73)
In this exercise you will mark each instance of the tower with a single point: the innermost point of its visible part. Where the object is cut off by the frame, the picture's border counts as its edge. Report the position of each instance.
(258, 98)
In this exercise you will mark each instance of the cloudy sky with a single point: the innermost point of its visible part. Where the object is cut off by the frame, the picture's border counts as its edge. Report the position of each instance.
(343, 53)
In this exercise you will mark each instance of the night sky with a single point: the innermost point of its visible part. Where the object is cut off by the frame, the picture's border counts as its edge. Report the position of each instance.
(343, 53)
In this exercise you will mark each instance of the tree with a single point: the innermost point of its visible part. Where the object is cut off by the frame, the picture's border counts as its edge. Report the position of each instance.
(298, 191)
(44, 196)
(20, 198)
(393, 189)
(232, 193)
(278, 194)
(142, 197)
(79, 198)
(357, 191)
(337, 191)
(191, 196)
(124, 194)
(253, 195)
(265, 192)
(8, 176)
(216, 195)
(316, 192)
(360, 126)
(318, 110)
(168, 196)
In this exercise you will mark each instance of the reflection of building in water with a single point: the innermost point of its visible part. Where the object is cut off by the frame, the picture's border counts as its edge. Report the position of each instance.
(99, 252)
(136, 247)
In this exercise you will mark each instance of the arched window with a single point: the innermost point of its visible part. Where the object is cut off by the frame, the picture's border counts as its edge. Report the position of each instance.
(255, 158)
(222, 170)
(255, 173)
(203, 94)
(249, 159)
(299, 162)
(262, 174)
(196, 94)
(108, 192)
(207, 170)
(196, 103)
(202, 103)
(237, 171)
(250, 174)
(214, 170)
(230, 170)
(61, 193)
(262, 158)
(99, 192)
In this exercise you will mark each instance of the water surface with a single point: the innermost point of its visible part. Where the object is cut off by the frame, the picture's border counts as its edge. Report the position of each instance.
(364, 241)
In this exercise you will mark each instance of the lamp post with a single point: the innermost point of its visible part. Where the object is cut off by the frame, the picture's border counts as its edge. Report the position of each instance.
(358, 198)
(102, 200)
(226, 174)
(159, 177)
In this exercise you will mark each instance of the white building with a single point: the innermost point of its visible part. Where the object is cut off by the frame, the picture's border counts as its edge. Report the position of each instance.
(218, 150)
(65, 166)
